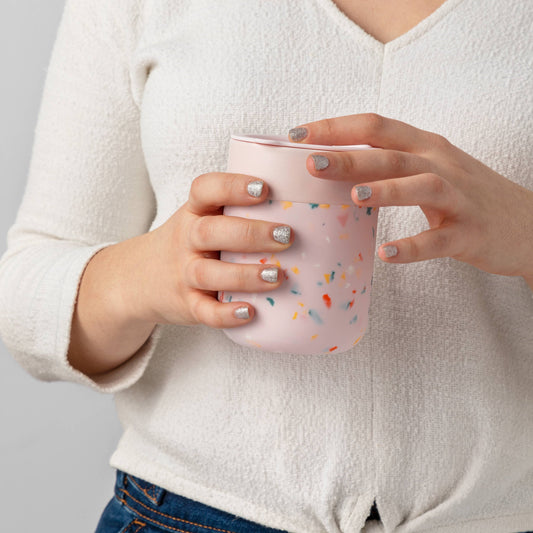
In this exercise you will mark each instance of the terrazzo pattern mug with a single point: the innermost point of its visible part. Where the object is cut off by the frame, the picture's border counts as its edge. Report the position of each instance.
(322, 305)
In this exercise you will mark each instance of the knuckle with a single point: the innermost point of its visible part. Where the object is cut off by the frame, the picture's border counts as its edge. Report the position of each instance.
(396, 161)
(372, 123)
(196, 274)
(201, 232)
(441, 243)
(328, 126)
(202, 313)
(195, 309)
(216, 321)
(196, 186)
(413, 249)
(247, 232)
(228, 185)
(439, 142)
(348, 165)
(436, 184)
(240, 276)
(391, 193)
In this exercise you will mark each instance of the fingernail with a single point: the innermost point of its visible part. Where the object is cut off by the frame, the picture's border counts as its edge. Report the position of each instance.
(363, 192)
(297, 134)
(282, 234)
(255, 188)
(321, 162)
(390, 251)
(270, 275)
(242, 312)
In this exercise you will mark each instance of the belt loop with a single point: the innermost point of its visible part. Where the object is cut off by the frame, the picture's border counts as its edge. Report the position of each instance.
(121, 479)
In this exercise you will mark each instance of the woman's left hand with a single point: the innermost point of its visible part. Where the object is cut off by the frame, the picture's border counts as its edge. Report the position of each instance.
(475, 215)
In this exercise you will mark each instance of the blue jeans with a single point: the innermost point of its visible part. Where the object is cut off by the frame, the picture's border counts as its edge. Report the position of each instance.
(141, 507)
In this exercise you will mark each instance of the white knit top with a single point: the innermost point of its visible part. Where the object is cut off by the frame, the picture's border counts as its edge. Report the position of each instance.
(431, 414)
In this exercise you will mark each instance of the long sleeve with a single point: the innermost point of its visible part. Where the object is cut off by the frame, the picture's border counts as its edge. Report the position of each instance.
(87, 187)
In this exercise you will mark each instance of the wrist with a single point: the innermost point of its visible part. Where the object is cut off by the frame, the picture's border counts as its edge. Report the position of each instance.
(131, 290)
(108, 326)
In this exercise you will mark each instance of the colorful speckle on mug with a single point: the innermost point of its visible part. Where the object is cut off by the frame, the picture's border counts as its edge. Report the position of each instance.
(327, 269)
(315, 316)
(343, 219)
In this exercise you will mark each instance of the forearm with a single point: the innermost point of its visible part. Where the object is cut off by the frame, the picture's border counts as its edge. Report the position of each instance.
(107, 326)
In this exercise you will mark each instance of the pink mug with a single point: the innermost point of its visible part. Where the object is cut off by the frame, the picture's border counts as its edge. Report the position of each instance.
(322, 304)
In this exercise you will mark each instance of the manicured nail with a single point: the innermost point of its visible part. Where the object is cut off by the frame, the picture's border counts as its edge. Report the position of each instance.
(282, 234)
(321, 162)
(242, 312)
(390, 251)
(297, 134)
(363, 192)
(255, 188)
(270, 275)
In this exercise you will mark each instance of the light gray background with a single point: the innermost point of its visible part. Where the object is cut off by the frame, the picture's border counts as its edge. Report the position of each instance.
(55, 438)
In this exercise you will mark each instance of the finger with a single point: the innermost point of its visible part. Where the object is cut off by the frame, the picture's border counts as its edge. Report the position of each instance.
(366, 165)
(214, 275)
(365, 128)
(426, 190)
(209, 192)
(430, 244)
(236, 234)
(209, 311)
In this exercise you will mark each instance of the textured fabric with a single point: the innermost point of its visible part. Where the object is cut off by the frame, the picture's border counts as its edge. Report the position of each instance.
(431, 414)
(141, 506)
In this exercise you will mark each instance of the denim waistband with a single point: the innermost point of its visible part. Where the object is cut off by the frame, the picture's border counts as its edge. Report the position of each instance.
(156, 506)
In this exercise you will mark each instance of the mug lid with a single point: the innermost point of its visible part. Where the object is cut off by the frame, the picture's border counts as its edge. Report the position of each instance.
(281, 140)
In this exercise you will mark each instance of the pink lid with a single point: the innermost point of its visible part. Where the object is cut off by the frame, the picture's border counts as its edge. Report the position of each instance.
(281, 140)
(282, 164)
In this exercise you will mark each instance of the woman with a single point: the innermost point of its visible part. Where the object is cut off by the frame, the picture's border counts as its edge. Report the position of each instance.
(116, 277)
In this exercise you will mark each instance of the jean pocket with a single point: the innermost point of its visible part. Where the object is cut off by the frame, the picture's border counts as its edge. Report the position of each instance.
(136, 526)
(150, 493)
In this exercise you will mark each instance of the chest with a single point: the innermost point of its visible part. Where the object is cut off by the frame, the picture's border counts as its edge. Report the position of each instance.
(206, 69)
(386, 20)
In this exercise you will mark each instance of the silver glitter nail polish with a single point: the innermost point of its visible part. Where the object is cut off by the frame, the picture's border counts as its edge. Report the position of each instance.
(363, 192)
(255, 188)
(321, 162)
(270, 275)
(242, 312)
(297, 134)
(282, 234)
(390, 251)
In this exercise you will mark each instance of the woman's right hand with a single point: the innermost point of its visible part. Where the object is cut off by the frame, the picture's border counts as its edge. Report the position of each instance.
(171, 275)
(185, 272)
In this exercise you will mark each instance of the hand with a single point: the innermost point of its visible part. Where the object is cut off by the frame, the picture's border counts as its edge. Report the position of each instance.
(185, 270)
(475, 215)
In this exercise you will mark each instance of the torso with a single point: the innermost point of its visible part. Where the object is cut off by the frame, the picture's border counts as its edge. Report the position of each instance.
(386, 20)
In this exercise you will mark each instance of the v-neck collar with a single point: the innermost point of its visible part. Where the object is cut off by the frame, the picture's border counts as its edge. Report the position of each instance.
(416, 31)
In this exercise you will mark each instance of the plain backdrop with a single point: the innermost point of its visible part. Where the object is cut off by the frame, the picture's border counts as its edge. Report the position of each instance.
(55, 438)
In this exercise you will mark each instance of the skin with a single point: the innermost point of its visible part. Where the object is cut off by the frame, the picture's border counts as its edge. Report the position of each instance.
(124, 292)
(463, 200)
(386, 20)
